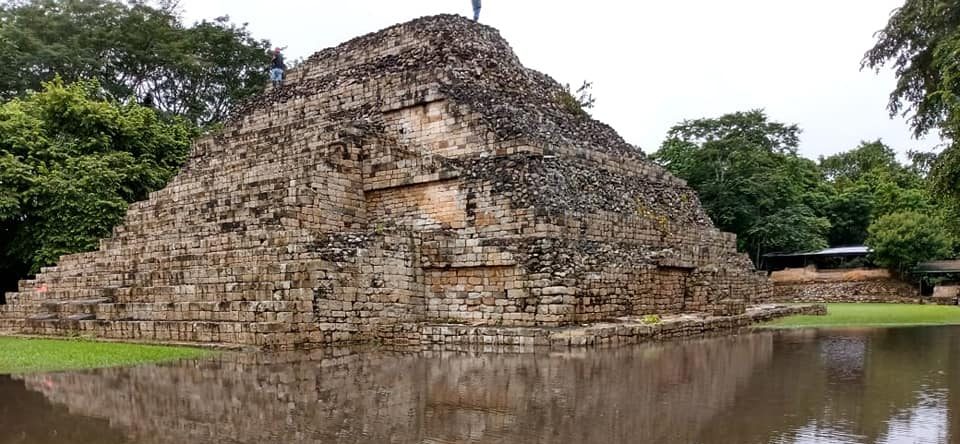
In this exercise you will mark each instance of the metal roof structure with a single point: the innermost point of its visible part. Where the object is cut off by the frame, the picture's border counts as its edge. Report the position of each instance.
(934, 267)
(849, 250)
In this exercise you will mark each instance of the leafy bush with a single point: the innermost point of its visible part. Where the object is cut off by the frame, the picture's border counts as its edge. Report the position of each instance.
(578, 102)
(901, 240)
(651, 319)
(70, 162)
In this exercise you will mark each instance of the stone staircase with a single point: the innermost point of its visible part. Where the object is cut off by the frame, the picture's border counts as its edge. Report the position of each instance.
(70, 310)
(74, 299)
(270, 295)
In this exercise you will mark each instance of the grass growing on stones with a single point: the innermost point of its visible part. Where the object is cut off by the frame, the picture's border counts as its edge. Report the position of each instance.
(874, 315)
(21, 355)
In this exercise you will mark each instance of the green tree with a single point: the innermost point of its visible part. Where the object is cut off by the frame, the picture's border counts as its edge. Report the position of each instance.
(750, 180)
(851, 166)
(779, 231)
(132, 50)
(849, 211)
(70, 162)
(922, 43)
(921, 162)
(945, 174)
(869, 182)
(901, 240)
(890, 198)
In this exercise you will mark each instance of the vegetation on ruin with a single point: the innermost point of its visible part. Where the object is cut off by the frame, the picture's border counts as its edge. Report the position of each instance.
(650, 319)
(22, 355)
(874, 315)
(579, 101)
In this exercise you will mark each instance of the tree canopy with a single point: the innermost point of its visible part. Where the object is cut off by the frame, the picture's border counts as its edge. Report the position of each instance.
(901, 240)
(133, 50)
(750, 180)
(70, 162)
(921, 42)
(868, 182)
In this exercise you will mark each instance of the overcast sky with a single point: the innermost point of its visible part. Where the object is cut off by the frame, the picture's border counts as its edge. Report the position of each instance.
(653, 63)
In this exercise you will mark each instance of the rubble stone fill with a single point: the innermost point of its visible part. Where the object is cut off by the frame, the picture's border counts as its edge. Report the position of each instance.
(412, 177)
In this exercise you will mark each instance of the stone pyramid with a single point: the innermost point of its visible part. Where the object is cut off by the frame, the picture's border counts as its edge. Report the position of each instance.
(415, 176)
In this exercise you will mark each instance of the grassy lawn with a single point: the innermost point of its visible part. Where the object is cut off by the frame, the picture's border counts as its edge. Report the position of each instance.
(873, 315)
(21, 355)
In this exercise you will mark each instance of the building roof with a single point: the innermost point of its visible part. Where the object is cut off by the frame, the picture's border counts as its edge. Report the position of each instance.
(849, 250)
(938, 267)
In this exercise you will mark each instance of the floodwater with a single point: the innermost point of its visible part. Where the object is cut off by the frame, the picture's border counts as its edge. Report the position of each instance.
(827, 386)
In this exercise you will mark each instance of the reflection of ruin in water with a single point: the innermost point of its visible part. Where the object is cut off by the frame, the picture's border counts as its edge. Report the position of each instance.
(753, 389)
(622, 394)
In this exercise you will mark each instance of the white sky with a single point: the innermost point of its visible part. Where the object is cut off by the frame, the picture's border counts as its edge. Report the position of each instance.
(653, 63)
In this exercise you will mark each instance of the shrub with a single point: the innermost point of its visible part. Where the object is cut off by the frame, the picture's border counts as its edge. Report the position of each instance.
(579, 101)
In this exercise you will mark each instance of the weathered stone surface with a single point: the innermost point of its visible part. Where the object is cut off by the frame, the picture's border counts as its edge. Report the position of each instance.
(886, 290)
(413, 176)
(620, 331)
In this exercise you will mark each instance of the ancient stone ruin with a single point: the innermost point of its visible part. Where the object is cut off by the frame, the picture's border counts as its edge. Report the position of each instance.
(414, 177)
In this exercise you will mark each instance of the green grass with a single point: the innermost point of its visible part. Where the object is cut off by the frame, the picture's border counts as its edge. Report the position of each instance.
(874, 315)
(22, 355)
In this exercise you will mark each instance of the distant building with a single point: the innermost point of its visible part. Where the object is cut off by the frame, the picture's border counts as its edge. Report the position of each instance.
(945, 269)
(828, 258)
(944, 276)
(838, 274)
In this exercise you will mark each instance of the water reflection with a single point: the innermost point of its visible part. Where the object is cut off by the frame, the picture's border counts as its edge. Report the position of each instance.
(870, 386)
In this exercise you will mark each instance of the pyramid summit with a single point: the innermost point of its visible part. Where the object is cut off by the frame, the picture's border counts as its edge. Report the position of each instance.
(416, 185)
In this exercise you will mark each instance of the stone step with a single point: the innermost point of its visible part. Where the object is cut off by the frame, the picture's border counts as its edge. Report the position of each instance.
(21, 311)
(52, 295)
(270, 334)
(82, 275)
(42, 317)
(105, 310)
(11, 325)
(146, 280)
(243, 311)
(11, 297)
(77, 306)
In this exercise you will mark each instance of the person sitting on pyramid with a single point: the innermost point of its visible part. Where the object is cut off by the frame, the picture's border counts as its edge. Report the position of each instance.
(276, 68)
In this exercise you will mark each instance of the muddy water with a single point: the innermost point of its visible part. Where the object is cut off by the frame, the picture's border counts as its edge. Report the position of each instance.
(852, 386)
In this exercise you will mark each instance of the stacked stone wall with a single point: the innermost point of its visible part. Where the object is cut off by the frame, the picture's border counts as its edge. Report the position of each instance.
(886, 290)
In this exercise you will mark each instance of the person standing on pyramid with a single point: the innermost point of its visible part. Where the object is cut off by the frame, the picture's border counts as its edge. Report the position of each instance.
(277, 67)
(476, 10)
